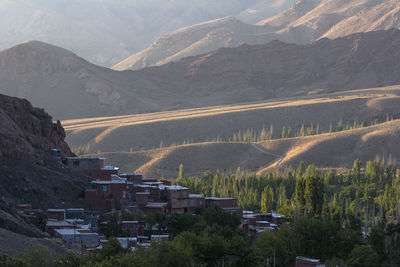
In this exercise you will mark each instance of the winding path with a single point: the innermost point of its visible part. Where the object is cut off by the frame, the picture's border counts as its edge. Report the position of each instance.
(262, 150)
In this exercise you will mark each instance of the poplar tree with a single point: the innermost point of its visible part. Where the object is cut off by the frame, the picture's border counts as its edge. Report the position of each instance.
(181, 172)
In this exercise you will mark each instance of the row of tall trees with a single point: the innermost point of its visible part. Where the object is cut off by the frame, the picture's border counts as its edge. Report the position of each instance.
(368, 194)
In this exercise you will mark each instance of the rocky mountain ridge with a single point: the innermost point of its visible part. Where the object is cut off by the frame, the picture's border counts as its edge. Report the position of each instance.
(28, 171)
(304, 22)
(105, 32)
(224, 76)
(25, 130)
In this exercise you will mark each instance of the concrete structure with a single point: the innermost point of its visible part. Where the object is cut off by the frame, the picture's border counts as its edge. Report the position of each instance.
(53, 225)
(78, 236)
(127, 242)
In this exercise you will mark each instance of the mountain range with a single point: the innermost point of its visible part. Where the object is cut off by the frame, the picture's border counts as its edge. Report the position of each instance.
(104, 32)
(69, 87)
(304, 22)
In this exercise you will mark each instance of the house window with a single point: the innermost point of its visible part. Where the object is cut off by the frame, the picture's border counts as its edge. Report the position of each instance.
(105, 188)
(76, 163)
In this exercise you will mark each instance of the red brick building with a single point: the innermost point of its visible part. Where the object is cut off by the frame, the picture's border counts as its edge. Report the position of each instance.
(196, 203)
(133, 227)
(105, 194)
(177, 197)
(92, 167)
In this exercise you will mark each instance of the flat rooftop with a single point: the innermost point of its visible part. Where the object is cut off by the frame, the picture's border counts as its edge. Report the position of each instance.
(84, 158)
(195, 196)
(220, 198)
(172, 187)
(56, 210)
(108, 182)
(110, 168)
(129, 222)
(156, 204)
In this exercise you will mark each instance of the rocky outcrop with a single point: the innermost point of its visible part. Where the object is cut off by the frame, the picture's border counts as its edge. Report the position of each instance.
(28, 173)
(25, 131)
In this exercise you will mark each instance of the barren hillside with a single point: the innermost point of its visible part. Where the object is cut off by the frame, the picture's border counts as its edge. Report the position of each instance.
(70, 87)
(304, 22)
(194, 40)
(310, 20)
(59, 81)
(332, 150)
(146, 131)
(105, 32)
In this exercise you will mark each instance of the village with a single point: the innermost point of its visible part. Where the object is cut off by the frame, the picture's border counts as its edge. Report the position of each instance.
(114, 195)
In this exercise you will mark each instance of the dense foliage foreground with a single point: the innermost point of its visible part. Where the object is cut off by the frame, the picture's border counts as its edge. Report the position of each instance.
(340, 219)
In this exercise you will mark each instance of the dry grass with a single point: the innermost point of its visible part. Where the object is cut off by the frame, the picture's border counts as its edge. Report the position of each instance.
(334, 150)
(327, 151)
(146, 131)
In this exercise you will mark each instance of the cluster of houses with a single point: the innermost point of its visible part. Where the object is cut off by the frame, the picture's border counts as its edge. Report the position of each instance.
(113, 193)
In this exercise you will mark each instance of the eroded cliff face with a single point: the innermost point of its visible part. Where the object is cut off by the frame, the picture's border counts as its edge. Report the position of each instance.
(25, 131)
(28, 173)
